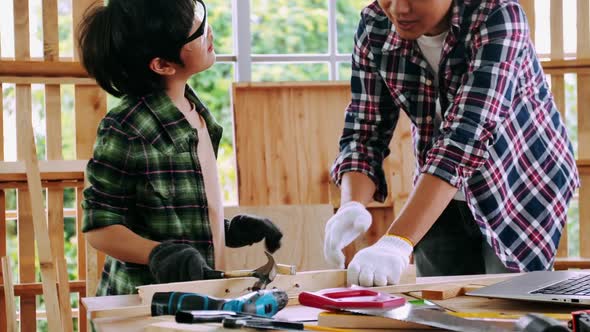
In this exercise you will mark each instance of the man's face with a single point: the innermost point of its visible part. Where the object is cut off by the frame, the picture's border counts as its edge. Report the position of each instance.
(414, 18)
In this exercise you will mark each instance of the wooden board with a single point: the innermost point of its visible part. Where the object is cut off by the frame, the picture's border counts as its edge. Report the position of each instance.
(11, 325)
(302, 242)
(304, 119)
(292, 284)
(529, 9)
(583, 49)
(51, 170)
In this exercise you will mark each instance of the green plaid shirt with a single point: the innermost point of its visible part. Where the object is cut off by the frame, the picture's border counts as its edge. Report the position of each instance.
(145, 175)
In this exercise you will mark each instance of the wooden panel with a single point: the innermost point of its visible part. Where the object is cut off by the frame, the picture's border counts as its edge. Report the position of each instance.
(90, 108)
(529, 9)
(3, 318)
(28, 152)
(584, 124)
(558, 86)
(307, 121)
(303, 237)
(26, 253)
(50, 31)
(31, 68)
(53, 170)
(8, 298)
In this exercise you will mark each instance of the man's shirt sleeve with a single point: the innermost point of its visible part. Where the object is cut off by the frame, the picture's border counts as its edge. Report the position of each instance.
(112, 179)
(369, 120)
(484, 97)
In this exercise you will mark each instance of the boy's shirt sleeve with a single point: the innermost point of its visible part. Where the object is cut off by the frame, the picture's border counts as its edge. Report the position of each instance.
(483, 99)
(370, 119)
(112, 178)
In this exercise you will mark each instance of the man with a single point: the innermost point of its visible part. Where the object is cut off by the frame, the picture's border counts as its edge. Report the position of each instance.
(495, 170)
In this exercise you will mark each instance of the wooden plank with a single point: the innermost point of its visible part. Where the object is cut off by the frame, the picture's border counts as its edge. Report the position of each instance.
(295, 117)
(40, 230)
(442, 292)
(10, 310)
(51, 170)
(584, 204)
(36, 288)
(3, 316)
(583, 12)
(303, 226)
(529, 9)
(292, 284)
(26, 238)
(558, 87)
(573, 262)
(583, 52)
(50, 30)
(64, 294)
(26, 255)
(402, 182)
(45, 184)
(47, 80)
(28, 68)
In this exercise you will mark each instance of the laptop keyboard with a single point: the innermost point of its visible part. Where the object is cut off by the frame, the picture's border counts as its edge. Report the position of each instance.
(579, 285)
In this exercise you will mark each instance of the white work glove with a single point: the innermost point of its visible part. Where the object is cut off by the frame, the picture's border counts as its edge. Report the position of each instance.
(351, 220)
(380, 264)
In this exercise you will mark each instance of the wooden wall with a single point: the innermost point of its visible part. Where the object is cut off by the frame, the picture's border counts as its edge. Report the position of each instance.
(286, 139)
(57, 175)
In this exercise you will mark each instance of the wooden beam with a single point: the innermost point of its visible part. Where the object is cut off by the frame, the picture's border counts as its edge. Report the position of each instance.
(571, 263)
(292, 284)
(11, 324)
(28, 68)
(47, 80)
(33, 289)
(45, 184)
(51, 170)
(584, 166)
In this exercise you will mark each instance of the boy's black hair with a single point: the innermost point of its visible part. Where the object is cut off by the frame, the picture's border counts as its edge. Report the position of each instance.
(118, 41)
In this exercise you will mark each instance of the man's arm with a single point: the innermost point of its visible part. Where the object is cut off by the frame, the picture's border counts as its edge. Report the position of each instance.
(426, 203)
(121, 243)
(357, 187)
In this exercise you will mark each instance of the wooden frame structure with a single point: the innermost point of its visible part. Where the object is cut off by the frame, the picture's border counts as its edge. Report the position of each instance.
(90, 105)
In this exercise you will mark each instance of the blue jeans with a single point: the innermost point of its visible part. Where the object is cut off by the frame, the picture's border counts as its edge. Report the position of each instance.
(455, 246)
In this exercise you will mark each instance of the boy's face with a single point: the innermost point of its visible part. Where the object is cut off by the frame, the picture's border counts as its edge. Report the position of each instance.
(414, 18)
(199, 54)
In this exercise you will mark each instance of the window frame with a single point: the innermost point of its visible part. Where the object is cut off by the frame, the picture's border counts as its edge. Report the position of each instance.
(242, 58)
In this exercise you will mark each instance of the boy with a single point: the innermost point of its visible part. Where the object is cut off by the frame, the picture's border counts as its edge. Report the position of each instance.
(154, 203)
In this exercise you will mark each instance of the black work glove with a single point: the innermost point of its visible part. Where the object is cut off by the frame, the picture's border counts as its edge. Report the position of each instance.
(244, 230)
(174, 262)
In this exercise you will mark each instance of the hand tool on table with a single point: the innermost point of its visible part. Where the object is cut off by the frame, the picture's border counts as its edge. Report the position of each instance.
(580, 321)
(367, 302)
(233, 320)
(266, 302)
(265, 274)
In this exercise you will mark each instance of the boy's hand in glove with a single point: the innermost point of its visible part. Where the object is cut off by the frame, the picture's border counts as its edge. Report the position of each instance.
(174, 262)
(244, 230)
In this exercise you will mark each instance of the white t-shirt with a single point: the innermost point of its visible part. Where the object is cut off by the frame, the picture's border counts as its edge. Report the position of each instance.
(431, 47)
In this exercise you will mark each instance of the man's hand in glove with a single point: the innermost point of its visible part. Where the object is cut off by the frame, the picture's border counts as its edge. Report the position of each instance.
(174, 262)
(351, 220)
(380, 264)
(244, 230)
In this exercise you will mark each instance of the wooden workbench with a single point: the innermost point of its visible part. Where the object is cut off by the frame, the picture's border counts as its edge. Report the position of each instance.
(143, 322)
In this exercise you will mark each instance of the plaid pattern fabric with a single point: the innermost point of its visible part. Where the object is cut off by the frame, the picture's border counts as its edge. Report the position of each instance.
(145, 175)
(502, 141)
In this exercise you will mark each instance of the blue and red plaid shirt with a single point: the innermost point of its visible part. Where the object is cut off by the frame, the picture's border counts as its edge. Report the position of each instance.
(502, 141)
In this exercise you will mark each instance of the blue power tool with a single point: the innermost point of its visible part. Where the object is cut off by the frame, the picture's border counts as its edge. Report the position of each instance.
(266, 302)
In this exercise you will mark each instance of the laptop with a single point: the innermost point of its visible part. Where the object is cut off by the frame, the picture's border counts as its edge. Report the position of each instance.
(572, 287)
